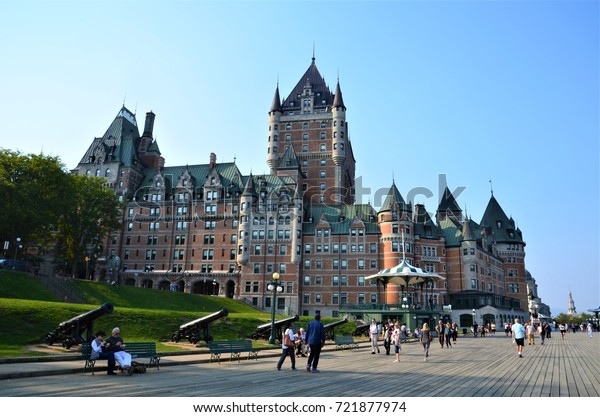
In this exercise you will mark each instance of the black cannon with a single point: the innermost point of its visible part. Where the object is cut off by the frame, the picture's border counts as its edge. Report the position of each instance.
(197, 330)
(264, 330)
(330, 328)
(362, 330)
(71, 331)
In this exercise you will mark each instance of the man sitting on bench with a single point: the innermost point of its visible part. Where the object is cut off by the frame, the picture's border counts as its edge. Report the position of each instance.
(99, 351)
(116, 345)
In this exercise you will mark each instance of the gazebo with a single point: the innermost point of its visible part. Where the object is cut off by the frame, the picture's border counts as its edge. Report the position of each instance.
(405, 275)
(595, 320)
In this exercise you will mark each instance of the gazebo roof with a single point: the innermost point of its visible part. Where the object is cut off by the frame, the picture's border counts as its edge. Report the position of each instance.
(405, 273)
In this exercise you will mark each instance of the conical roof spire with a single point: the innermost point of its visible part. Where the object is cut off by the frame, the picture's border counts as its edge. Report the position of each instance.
(338, 101)
(276, 106)
(249, 188)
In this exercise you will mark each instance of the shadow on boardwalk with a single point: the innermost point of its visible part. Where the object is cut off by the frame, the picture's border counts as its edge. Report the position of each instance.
(474, 367)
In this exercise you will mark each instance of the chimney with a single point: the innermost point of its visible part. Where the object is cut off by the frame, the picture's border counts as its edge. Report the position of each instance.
(149, 126)
(213, 160)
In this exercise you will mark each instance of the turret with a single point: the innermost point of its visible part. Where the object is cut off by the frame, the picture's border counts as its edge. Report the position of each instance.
(338, 140)
(246, 201)
(273, 146)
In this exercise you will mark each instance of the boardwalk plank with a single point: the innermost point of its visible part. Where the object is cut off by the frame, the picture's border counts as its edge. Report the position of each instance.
(474, 367)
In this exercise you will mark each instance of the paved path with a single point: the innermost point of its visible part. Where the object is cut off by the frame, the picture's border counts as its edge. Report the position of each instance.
(474, 367)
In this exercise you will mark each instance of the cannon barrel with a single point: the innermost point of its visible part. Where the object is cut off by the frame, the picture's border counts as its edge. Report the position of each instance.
(362, 330)
(71, 331)
(264, 330)
(329, 328)
(192, 329)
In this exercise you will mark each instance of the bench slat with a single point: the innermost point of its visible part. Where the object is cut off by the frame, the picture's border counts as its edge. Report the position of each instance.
(234, 347)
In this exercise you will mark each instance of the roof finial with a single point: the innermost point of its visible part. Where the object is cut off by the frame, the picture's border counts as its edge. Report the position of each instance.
(313, 57)
(491, 188)
(124, 99)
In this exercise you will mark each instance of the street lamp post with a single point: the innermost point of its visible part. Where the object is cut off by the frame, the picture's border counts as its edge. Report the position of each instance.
(274, 286)
(17, 246)
(474, 332)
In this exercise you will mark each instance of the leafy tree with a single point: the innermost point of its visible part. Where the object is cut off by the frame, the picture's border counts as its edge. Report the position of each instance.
(32, 189)
(92, 212)
(571, 319)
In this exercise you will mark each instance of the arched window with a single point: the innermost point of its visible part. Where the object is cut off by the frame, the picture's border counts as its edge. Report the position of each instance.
(97, 172)
(107, 172)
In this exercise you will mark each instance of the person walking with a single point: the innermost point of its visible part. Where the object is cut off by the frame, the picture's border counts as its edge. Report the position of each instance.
(448, 335)
(518, 335)
(542, 330)
(425, 339)
(315, 336)
(387, 337)
(530, 333)
(454, 332)
(288, 345)
(374, 335)
(589, 329)
(563, 331)
(440, 329)
(396, 335)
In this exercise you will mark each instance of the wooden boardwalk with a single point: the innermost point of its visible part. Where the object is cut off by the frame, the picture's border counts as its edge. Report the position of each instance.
(474, 367)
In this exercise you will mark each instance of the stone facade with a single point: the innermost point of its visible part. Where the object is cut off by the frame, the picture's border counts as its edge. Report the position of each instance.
(210, 229)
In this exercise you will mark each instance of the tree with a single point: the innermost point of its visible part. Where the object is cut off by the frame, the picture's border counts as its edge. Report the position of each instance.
(92, 212)
(32, 189)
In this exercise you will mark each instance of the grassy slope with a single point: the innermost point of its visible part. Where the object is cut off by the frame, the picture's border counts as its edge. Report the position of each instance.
(29, 312)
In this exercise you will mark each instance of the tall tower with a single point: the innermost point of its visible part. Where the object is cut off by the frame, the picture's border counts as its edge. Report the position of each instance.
(312, 119)
(571, 309)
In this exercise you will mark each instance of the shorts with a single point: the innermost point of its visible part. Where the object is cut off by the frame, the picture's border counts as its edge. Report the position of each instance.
(397, 348)
(520, 342)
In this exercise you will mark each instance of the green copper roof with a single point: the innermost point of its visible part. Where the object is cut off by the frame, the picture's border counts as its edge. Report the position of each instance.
(341, 218)
(118, 143)
(394, 200)
(498, 226)
(451, 232)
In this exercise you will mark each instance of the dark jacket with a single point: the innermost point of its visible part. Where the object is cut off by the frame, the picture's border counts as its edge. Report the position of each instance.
(315, 333)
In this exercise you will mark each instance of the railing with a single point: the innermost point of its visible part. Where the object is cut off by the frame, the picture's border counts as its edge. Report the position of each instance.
(61, 288)
(388, 307)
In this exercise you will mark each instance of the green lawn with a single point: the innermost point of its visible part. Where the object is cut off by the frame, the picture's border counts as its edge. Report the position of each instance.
(30, 312)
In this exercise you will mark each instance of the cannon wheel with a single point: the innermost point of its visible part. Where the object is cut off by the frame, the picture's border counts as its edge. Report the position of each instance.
(68, 342)
(194, 339)
(49, 340)
(176, 338)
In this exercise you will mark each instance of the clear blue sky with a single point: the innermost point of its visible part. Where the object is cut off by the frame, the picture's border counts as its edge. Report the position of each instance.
(505, 91)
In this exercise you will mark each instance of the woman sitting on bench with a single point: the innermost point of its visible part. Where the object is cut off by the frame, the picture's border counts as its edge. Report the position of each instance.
(115, 344)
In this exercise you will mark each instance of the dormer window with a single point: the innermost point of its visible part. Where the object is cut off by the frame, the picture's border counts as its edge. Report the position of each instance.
(499, 224)
(158, 184)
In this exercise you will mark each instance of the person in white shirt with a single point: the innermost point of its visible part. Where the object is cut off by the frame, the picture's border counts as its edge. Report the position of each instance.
(396, 342)
(288, 346)
(374, 335)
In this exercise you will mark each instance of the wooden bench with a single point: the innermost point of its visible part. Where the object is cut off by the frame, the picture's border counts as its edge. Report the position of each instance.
(135, 349)
(345, 342)
(234, 347)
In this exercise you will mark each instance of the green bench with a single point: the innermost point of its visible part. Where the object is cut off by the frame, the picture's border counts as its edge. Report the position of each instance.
(137, 350)
(345, 342)
(234, 347)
